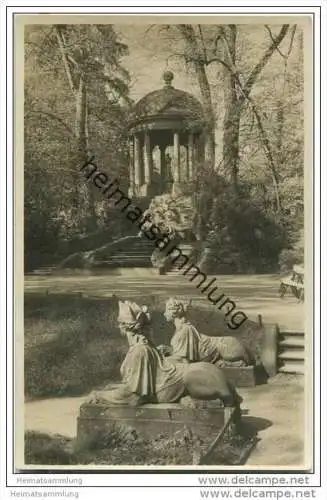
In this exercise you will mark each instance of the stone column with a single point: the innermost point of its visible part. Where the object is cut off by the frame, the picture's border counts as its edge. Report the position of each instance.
(177, 158)
(190, 157)
(137, 161)
(147, 159)
(162, 162)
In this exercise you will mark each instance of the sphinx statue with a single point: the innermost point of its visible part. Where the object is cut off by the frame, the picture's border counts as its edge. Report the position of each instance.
(150, 377)
(189, 344)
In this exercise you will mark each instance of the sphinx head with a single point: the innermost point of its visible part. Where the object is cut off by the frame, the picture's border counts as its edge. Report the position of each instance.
(176, 309)
(133, 319)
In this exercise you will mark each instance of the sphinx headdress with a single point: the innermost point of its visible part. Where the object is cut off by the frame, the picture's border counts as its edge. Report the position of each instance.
(132, 315)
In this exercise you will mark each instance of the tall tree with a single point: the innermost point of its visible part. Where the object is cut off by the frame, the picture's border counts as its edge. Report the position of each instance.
(202, 52)
(76, 102)
(277, 116)
(196, 53)
(88, 54)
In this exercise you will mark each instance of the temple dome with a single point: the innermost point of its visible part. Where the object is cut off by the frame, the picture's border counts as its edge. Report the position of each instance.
(168, 103)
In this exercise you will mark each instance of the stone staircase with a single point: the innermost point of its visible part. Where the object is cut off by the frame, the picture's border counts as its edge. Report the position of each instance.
(291, 352)
(129, 254)
(136, 255)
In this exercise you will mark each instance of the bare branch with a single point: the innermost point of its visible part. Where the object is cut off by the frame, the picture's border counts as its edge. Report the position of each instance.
(221, 61)
(274, 41)
(231, 66)
(72, 60)
(64, 59)
(149, 28)
(264, 60)
(284, 56)
(202, 42)
(292, 39)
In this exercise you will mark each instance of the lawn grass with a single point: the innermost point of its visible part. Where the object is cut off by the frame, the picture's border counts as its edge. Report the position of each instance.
(73, 344)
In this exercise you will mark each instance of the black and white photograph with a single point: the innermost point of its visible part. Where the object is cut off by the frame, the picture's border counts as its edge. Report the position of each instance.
(166, 199)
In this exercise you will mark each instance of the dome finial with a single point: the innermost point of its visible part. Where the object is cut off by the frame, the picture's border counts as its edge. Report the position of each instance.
(168, 77)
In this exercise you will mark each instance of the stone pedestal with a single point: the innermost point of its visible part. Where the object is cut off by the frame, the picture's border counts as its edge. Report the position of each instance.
(152, 419)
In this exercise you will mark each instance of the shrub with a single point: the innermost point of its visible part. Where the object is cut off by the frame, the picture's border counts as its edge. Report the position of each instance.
(241, 236)
(287, 259)
(290, 256)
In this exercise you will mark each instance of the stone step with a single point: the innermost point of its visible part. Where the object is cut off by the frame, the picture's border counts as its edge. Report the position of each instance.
(125, 256)
(291, 345)
(126, 251)
(125, 259)
(128, 263)
(295, 342)
(292, 368)
(291, 354)
(291, 333)
(131, 250)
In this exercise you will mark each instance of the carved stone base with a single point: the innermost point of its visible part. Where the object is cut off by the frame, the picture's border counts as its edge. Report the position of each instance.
(152, 419)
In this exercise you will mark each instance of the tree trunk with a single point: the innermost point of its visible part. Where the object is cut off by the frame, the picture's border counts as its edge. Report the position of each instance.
(196, 54)
(232, 116)
(280, 132)
(81, 132)
(80, 119)
(233, 108)
(210, 143)
(234, 103)
(268, 152)
(231, 139)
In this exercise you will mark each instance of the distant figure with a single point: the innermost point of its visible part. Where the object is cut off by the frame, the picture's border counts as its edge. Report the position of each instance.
(169, 176)
(157, 183)
(187, 343)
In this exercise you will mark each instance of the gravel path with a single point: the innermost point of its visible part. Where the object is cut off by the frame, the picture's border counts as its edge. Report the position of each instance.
(276, 410)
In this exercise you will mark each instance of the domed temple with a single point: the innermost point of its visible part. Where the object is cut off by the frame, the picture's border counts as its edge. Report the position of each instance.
(166, 141)
(166, 135)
